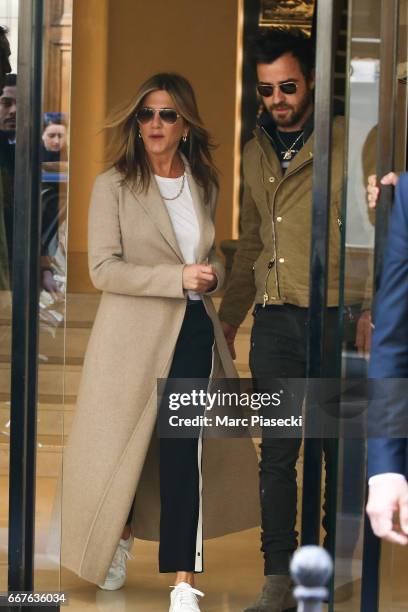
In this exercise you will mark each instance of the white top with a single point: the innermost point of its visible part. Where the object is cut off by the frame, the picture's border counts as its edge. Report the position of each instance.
(183, 219)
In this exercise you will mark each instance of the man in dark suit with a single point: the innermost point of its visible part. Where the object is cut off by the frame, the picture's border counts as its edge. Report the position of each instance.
(5, 69)
(388, 457)
(8, 98)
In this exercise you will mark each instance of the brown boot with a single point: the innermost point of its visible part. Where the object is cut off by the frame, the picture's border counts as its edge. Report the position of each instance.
(276, 595)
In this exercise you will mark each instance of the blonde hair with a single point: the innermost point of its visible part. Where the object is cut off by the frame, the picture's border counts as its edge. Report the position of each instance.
(126, 151)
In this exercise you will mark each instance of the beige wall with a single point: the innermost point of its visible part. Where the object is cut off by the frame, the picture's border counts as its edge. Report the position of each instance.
(88, 109)
(119, 43)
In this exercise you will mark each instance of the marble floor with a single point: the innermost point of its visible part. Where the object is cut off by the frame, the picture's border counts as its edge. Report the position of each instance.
(233, 563)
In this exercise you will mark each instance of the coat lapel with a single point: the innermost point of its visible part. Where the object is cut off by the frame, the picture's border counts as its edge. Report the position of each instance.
(154, 206)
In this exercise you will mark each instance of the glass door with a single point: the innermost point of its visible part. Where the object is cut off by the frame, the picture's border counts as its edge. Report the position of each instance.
(9, 12)
(33, 303)
(368, 578)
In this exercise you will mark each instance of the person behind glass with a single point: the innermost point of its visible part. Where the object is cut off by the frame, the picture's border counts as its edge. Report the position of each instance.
(5, 69)
(152, 254)
(53, 151)
(54, 138)
(8, 109)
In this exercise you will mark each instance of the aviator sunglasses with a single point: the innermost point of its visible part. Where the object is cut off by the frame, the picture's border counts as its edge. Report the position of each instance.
(266, 91)
(146, 114)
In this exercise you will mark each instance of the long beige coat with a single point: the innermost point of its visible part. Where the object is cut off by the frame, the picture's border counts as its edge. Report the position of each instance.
(135, 261)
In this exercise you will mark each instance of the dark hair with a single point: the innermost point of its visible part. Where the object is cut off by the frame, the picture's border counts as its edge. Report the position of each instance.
(127, 153)
(54, 119)
(10, 80)
(270, 44)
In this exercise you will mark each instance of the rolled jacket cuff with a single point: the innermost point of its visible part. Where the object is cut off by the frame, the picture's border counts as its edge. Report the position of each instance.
(386, 476)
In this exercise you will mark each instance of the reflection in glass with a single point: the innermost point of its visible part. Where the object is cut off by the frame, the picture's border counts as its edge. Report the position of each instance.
(8, 96)
(362, 117)
(394, 565)
(364, 45)
(55, 124)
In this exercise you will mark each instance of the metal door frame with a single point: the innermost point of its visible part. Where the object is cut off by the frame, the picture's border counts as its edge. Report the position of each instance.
(25, 282)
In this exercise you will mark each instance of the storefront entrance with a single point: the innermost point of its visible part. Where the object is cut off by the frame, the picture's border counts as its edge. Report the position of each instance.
(74, 62)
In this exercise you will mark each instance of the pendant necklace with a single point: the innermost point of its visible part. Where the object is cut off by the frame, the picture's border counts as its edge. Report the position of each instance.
(288, 154)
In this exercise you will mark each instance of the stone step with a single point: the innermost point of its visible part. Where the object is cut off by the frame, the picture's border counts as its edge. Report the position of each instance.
(45, 405)
(46, 398)
(48, 459)
(81, 310)
(52, 420)
(79, 307)
(69, 344)
(54, 380)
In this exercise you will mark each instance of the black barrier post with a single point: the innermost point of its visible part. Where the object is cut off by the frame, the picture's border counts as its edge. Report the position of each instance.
(311, 569)
(26, 253)
(318, 263)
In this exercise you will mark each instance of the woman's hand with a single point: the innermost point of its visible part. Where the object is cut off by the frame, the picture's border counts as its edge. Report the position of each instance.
(199, 278)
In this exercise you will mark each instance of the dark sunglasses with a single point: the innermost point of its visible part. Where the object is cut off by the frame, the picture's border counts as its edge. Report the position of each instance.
(146, 114)
(266, 91)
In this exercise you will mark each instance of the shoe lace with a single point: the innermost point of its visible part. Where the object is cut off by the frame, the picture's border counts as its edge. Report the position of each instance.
(121, 555)
(187, 596)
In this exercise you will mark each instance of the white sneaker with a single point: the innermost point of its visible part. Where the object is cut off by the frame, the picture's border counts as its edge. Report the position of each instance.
(184, 598)
(116, 576)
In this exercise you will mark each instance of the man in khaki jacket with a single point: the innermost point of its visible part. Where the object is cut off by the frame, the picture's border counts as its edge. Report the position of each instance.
(271, 268)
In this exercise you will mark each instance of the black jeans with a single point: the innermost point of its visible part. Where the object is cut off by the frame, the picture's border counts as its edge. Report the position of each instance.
(278, 350)
(179, 467)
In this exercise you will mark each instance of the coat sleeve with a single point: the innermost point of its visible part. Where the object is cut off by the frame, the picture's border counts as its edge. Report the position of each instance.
(213, 258)
(107, 267)
(389, 355)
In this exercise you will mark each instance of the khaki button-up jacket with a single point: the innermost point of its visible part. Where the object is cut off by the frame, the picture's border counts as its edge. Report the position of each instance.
(272, 262)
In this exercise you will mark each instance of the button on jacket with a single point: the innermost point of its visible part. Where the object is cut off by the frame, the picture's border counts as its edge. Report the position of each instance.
(271, 264)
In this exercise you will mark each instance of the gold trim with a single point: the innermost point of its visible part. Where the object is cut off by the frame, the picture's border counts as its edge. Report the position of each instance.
(287, 14)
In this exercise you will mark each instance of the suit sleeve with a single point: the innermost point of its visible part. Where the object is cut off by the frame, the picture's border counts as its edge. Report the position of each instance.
(389, 355)
(108, 269)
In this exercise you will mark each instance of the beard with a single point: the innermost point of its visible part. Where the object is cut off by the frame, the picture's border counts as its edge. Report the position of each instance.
(295, 114)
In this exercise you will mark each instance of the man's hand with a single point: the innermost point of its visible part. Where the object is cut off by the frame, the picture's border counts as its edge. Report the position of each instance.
(230, 332)
(373, 192)
(363, 334)
(199, 277)
(49, 284)
(389, 495)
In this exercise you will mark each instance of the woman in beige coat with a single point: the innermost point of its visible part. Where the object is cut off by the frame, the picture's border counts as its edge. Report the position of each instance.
(152, 254)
